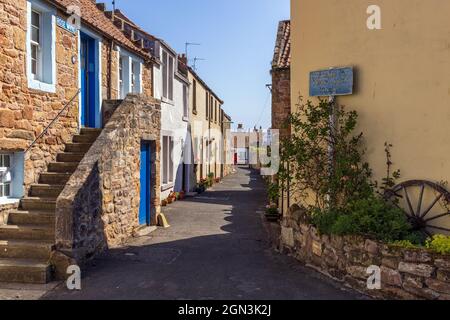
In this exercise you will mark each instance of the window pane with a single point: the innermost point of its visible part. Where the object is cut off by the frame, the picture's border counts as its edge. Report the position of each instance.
(170, 160)
(171, 62)
(165, 75)
(165, 159)
(6, 161)
(7, 191)
(35, 19)
(35, 35)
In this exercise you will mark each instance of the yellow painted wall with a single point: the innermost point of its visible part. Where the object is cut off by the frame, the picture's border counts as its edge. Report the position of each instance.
(202, 131)
(402, 75)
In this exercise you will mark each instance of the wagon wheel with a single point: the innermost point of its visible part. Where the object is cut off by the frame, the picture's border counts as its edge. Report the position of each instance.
(429, 216)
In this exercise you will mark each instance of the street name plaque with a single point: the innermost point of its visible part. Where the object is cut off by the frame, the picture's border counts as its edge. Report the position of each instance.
(331, 82)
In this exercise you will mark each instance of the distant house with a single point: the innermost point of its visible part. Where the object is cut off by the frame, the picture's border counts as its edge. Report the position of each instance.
(281, 79)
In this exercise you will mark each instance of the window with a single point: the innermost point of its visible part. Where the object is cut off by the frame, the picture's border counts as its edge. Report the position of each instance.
(185, 102)
(5, 175)
(207, 105)
(215, 113)
(194, 96)
(134, 71)
(121, 79)
(35, 42)
(40, 45)
(167, 162)
(211, 106)
(130, 74)
(167, 75)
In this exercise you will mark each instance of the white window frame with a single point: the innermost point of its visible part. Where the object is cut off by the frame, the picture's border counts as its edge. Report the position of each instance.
(168, 75)
(126, 86)
(185, 102)
(45, 79)
(167, 148)
(5, 176)
(13, 176)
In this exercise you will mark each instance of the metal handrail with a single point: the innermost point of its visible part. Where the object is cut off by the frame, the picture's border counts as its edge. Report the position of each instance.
(53, 121)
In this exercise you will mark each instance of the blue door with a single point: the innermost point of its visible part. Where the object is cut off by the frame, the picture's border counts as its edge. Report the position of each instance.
(144, 208)
(88, 76)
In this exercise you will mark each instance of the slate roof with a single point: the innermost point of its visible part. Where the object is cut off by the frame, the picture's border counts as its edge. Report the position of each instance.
(96, 18)
(282, 54)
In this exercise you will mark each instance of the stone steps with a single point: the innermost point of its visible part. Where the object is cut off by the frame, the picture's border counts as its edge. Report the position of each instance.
(25, 271)
(35, 203)
(84, 138)
(25, 249)
(27, 232)
(27, 241)
(63, 167)
(70, 157)
(54, 178)
(78, 147)
(18, 217)
(46, 190)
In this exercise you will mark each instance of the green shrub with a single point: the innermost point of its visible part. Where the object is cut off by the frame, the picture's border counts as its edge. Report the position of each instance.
(371, 217)
(407, 244)
(439, 243)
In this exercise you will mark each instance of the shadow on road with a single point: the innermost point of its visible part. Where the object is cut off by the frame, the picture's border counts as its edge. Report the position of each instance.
(217, 248)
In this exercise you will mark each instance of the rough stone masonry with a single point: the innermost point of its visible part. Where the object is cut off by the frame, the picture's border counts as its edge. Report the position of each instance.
(99, 206)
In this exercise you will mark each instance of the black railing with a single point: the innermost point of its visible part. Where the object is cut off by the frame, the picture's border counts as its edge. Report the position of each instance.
(53, 121)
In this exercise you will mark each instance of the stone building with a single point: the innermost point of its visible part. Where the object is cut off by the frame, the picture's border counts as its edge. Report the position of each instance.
(281, 79)
(171, 86)
(69, 189)
(208, 121)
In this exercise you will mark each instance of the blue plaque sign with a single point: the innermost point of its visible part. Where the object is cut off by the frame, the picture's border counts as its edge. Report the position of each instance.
(331, 82)
(65, 25)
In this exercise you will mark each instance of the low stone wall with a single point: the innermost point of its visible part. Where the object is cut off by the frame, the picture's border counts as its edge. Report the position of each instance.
(99, 206)
(4, 211)
(405, 273)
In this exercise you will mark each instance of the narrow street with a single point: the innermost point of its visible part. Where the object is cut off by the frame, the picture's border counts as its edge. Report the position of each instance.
(216, 248)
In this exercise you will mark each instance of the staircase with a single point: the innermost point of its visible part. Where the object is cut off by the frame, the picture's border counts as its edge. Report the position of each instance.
(27, 241)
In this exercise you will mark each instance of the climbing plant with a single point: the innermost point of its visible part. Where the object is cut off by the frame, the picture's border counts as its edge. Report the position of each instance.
(325, 156)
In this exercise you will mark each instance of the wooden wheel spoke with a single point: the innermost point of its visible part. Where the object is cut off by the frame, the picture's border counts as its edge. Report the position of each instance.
(437, 217)
(419, 203)
(417, 208)
(408, 200)
(432, 205)
(439, 228)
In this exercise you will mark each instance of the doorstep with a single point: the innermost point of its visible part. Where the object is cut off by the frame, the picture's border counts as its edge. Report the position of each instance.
(20, 291)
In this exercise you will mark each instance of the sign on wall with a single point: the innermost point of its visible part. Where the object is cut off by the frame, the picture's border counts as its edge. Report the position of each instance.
(65, 25)
(331, 82)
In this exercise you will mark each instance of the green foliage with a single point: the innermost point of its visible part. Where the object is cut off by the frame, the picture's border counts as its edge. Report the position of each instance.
(273, 191)
(405, 244)
(272, 211)
(371, 217)
(336, 178)
(439, 243)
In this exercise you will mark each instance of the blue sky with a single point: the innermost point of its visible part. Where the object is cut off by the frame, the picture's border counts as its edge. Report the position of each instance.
(237, 40)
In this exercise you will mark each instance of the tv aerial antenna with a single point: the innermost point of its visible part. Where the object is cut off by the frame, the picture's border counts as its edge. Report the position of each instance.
(189, 44)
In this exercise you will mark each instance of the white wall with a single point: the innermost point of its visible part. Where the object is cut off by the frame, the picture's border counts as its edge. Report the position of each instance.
(172, 124)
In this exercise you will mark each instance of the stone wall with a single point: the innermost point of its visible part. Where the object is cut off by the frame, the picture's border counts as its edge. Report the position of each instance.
(405, 273)
(24, 113)
(4, 211)
(99, 206)
(281, 99)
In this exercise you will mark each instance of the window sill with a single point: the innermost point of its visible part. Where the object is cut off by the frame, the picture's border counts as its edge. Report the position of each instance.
(185, 119)
(41, 86)
(166, 187)
(7, 201)
(167, 101)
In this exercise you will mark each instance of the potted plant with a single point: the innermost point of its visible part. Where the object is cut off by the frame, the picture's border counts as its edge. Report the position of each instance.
(169, 200)
(272, 213)
(181, 195)
(164, 203)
